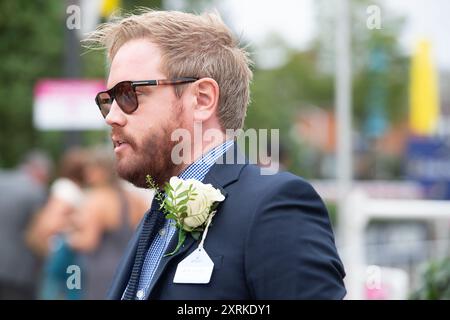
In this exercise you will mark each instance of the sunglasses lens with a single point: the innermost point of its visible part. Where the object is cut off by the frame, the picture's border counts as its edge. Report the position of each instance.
(126, 97)
(104, 103)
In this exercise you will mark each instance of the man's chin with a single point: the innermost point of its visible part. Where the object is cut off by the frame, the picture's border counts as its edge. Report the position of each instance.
(131, 173)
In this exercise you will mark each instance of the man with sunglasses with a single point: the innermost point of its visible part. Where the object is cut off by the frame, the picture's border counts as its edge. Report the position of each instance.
(271, 237)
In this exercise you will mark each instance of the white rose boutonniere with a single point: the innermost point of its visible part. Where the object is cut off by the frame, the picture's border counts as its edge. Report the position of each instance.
(190, 203)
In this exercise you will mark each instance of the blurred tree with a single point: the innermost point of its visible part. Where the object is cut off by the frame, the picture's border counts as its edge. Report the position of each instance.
(380, 86)
(194, 6)
(128, 5)
(278, 94)
(307, 79)
(32, 47)
(395, 73)
(434, 281)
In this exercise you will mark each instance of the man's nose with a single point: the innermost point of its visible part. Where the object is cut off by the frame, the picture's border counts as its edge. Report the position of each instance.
(115, 116)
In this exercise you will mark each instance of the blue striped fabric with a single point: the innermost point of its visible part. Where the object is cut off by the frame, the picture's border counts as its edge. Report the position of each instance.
(198, 171)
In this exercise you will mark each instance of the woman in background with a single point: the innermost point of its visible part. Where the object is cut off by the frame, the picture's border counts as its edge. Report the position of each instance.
(46, 235)
(103, 225)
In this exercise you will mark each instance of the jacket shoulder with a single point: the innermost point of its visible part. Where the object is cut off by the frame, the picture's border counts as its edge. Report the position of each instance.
(281, 181)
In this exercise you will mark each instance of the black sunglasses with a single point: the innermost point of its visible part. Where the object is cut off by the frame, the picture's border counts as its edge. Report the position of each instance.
(125, 94)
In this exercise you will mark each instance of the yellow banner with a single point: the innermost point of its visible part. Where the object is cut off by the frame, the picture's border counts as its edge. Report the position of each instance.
(424, 98)
(108, 7)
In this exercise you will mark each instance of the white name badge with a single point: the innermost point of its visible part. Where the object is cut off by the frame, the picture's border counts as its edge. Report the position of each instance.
(195, 268)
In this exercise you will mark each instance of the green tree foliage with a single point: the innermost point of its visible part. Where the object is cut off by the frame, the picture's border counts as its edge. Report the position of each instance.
(435, 281)
(395, 74)
(364, 41)
(31, 38)
(307, 79)
(31, 48)
(277, 96)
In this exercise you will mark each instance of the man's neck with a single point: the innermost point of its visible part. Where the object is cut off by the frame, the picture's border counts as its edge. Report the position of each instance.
(201, 149)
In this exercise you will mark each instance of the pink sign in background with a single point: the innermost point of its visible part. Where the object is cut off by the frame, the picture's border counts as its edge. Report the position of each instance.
(67, 104)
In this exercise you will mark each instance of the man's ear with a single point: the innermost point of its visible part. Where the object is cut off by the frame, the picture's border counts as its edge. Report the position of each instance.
(206, 99)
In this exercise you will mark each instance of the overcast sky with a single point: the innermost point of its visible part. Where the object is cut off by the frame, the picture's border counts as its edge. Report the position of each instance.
(294, 20)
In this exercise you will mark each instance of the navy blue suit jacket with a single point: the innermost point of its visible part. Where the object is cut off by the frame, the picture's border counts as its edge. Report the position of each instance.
(271, 238)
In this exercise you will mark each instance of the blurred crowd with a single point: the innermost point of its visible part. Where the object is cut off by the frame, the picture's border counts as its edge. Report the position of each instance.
(78, 216)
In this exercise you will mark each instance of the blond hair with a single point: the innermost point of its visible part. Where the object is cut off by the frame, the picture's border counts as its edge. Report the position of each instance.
(192, 46)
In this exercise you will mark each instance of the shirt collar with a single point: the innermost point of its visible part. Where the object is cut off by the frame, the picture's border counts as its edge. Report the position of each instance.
(201, 166)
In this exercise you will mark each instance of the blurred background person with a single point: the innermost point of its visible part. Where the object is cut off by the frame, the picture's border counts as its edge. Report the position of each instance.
(22, 193)
(46, 235)
(103, 224)
(65, 195)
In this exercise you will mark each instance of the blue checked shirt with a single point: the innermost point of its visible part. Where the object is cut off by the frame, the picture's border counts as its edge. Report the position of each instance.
(198, 171)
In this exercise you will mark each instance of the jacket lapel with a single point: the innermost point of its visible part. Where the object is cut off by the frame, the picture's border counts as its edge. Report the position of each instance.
(120, 280)
(166, 260)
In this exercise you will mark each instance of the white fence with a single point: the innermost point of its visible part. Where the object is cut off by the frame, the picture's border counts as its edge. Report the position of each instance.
(359, 210)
